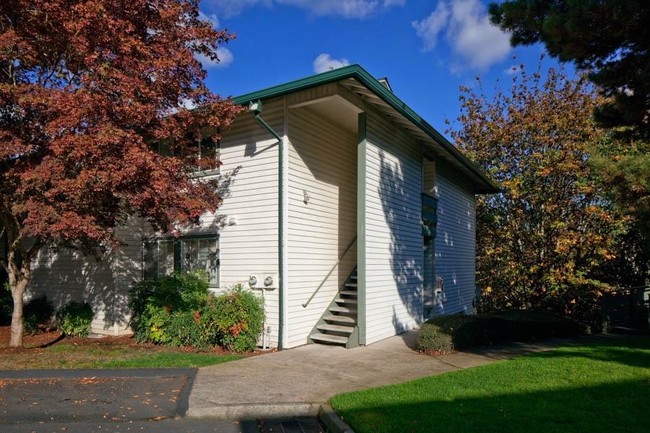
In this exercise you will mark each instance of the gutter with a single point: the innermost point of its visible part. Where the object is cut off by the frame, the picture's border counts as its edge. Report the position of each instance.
(255, 107)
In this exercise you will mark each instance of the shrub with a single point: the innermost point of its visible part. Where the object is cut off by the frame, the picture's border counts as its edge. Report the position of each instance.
(179, 292)
(237, 318)
(75, 319)
(179, 311)
(37, 312)
(447, 333)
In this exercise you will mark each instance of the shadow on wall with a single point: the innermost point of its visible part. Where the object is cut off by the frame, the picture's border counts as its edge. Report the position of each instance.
(65, 275)
(400, 214)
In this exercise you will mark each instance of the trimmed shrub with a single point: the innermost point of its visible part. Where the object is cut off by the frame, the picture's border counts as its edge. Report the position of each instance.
(448, 333)
(36, 313)
(75, 318)
(237, 318)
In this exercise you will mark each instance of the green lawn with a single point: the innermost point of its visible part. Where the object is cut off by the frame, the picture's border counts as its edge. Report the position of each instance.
(596, 387)
(68, 355)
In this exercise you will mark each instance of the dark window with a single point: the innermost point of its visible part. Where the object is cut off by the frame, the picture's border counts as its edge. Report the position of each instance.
(165, 256)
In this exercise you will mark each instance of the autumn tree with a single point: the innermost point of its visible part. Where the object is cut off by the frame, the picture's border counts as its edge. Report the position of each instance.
(86, 88)
(610, 41)
(543, 240)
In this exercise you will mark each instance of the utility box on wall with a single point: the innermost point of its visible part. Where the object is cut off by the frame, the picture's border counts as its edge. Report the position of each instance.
(263, 281)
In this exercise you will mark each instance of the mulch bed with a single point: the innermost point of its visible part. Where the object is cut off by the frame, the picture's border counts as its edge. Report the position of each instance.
(47, 338)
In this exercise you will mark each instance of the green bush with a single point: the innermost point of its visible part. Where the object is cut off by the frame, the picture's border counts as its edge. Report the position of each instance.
(37, 312)
(75, 318)
(448, 333)
(237, 317)
(179, 292)
(179, 311)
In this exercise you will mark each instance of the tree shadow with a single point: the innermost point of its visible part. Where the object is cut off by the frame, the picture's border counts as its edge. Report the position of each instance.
(402, 212)
(616, 349)
(64, 275)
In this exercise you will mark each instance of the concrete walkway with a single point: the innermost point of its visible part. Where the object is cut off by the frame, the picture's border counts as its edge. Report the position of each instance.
(296, 382)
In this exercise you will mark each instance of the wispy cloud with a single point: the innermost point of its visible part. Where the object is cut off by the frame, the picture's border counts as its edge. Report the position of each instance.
(342, 8)
(225, 59)
(224, 54)
(324, 62)
(466, 28)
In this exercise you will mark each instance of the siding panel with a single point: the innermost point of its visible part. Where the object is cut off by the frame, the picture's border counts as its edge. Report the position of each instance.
(64, 275)
(455, 242)
(393, 232)
(251, 245)
(322, 164)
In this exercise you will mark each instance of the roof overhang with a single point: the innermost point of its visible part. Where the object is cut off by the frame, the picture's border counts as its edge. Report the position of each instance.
(360, 82)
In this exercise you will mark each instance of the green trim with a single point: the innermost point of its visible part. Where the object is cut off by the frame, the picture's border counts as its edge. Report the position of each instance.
(486, 185)
(361, 229)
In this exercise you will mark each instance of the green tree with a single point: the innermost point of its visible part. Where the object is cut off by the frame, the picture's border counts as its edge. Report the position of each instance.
(541, 242)
(86, 86)
(608, 38)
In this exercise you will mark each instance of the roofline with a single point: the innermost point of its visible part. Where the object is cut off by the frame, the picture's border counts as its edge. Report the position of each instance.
(361, 75)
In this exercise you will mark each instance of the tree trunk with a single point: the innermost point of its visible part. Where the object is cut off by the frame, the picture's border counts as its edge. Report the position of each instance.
(20, 273)
(17, 292)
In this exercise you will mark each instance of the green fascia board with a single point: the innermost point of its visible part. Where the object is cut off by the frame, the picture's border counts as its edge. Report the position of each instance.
(361, 75)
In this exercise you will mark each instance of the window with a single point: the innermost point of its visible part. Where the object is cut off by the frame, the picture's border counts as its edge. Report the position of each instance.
(191, 253)
(202, 154)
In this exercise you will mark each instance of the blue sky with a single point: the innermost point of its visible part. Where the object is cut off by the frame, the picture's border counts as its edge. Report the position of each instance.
(426, 49)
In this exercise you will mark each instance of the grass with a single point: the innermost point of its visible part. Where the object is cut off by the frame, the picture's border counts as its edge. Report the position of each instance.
(65, 355)
(70, 356)
(601, 386)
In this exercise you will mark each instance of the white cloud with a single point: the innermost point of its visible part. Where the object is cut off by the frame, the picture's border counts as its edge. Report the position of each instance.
(212, 19)
(225, 55)
(429, 28)
(324, 62)
(225, 59)
(466, 27)
(341, 8)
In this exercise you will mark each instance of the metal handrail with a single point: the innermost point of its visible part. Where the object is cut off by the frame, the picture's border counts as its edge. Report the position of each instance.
(330, 272)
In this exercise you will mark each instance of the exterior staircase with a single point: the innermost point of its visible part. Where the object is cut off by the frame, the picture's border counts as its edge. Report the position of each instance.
(339, 323)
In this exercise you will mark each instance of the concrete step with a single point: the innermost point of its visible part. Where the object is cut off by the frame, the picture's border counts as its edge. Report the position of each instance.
(344, 310)
(336, 328)
(328, 338)
(351, 285)
(348, 301)
(339, 319)
(348, 293)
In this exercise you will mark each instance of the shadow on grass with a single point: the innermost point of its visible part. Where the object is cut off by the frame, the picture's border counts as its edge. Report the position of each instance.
(616, 407)
(621, 350)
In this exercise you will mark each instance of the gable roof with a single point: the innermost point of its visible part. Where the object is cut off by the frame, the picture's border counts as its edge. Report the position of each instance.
(375, 93)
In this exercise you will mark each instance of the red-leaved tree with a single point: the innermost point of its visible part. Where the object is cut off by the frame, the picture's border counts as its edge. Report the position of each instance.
(86, 88)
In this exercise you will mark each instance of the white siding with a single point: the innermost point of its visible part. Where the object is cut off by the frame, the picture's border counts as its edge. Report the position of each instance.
(250, 247)
(67, 275)
(322, 164)
(455, 242)
(393, 231)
